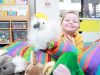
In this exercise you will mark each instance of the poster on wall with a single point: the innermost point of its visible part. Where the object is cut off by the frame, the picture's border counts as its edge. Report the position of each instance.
(47, 3)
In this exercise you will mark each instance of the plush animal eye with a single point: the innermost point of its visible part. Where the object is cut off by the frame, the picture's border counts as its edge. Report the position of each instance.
(4, 67)
(43, 23)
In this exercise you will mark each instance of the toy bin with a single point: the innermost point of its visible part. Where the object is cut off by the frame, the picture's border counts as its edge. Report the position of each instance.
(20, 35)
(4, 25)
(19, 25)
(4, 36)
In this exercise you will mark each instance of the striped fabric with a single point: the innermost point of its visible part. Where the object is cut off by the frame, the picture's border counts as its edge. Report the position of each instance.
(15, 48)
(90, 61)
(22, 48)
(61, 48)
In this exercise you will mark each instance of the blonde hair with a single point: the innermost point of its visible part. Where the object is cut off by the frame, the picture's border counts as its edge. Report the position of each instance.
(67, 12)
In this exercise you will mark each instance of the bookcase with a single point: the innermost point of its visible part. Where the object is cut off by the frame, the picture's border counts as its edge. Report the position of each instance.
(14, 16)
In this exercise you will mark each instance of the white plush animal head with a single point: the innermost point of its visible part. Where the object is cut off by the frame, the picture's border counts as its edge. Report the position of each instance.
(41, 31)
(38, 21)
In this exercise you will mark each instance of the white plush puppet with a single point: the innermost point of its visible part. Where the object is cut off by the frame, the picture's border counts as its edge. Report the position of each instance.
(42, 31)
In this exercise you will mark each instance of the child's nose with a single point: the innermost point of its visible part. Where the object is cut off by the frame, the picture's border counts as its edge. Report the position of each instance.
(70, 21)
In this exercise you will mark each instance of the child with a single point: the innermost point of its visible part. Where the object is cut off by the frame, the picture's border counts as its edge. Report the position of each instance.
(70, 24)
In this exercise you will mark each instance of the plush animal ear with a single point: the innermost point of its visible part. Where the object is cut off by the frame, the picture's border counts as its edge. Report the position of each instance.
(33, 58)
(48, 67)
(3, 52)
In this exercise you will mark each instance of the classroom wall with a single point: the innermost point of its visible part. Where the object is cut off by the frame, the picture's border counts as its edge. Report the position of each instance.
(90, 29)
(49, 7)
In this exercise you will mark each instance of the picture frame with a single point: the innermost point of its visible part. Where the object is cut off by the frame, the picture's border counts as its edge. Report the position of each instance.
(90, 8)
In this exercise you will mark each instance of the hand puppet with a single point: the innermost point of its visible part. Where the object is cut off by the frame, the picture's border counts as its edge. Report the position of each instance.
(68, 60)
(42, 31)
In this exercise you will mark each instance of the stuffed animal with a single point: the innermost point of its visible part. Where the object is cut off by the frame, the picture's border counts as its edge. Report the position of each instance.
(36, 68)
(6, 66)
(42, 31)
(69, 60)
(12, 65)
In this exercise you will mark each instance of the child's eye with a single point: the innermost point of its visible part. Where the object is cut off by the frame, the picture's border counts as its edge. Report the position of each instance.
(75, 21)
(67, 20)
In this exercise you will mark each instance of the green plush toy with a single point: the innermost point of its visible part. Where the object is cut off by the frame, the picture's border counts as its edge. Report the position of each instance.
(69, 60)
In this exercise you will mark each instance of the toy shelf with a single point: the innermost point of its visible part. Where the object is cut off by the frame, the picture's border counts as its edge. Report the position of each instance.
(14, 18)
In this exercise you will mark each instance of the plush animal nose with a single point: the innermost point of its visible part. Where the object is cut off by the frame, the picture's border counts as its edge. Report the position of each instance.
(37, 25)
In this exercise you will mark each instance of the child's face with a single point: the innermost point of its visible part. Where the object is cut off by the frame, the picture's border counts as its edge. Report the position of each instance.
(70, 23)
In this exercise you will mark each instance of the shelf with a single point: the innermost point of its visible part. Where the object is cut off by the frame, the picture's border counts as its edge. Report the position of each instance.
(14, 18)
(4, 28)
(14, 28)
(19, 28)
(12, 4)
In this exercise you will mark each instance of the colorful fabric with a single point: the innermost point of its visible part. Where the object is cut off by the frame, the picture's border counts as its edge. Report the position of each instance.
(22, 48)
(90, 61)
(79, 41)
(15, 48)
(61, 48)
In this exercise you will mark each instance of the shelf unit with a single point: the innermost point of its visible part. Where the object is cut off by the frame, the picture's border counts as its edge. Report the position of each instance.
(13, 27)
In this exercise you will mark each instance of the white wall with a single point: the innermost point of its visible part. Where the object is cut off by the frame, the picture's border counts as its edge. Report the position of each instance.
(67, 5)
(51, 10)
(31, 7)
(90, 36)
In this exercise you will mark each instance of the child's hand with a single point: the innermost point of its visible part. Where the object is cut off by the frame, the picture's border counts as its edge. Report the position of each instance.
(70, 39)
(61, 70)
